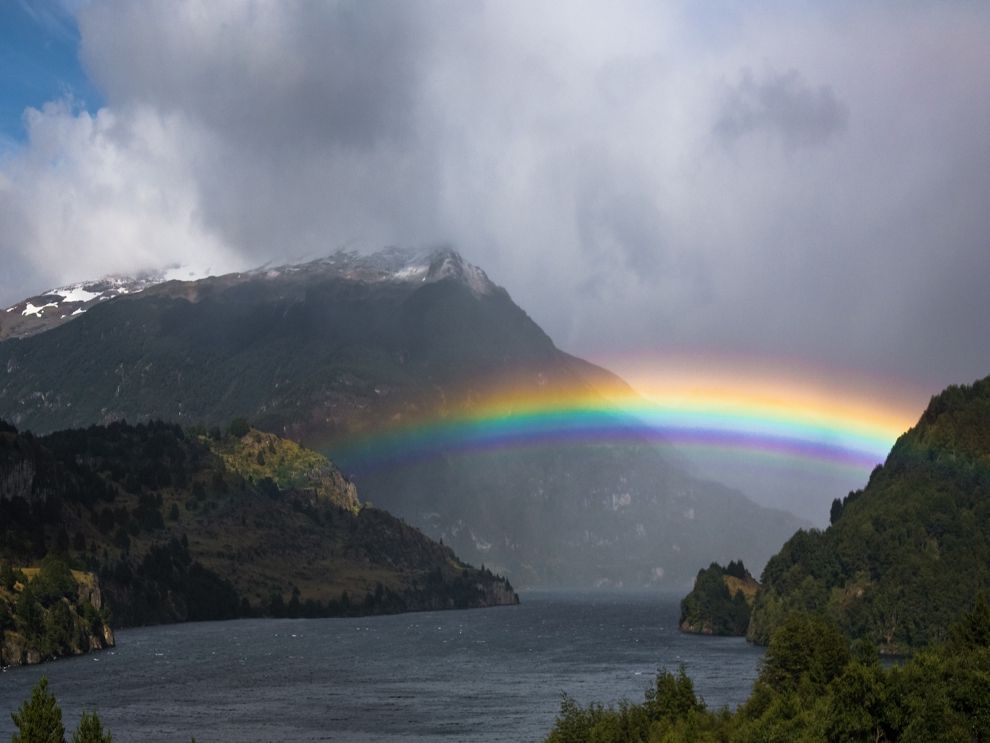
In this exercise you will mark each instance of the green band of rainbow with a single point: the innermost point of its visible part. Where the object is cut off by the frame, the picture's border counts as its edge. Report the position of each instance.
(500, 426)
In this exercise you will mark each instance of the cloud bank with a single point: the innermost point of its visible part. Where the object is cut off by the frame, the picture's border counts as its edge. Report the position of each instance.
(772, 180)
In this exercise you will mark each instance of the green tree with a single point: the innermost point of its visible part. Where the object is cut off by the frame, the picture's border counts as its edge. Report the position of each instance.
(672, 697)
(54, 581)
(29, 615)
(804, 647)
(39, 720)
(6, 617)
(238, 428)
(59, 630)
(973, 628)
(91, 730)
(7, 576)
(858, 705)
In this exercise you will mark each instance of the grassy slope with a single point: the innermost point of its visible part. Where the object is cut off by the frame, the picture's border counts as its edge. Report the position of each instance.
(748, 586)
(257, 455)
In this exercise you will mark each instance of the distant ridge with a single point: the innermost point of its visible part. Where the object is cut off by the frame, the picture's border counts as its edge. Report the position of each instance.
(325, 351)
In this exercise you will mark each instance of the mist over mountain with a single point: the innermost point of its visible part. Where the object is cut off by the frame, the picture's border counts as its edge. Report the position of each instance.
(335, 349)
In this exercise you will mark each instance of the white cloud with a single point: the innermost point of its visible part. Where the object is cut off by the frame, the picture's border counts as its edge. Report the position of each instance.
(112, 191)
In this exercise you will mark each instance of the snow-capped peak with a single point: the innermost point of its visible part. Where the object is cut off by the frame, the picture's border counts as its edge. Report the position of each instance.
(53, 307)
(399, 265)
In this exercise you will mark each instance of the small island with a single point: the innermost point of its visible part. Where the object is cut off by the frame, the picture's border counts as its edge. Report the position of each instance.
(720, 602)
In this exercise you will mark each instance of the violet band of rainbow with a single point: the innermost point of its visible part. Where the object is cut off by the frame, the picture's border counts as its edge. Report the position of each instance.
(842, 443)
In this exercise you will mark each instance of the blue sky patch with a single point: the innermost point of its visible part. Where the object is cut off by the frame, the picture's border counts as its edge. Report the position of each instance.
(39, 62)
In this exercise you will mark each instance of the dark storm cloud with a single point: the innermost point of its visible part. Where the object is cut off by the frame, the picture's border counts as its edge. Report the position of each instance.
(282, 74)
(611, 165)
(783, 104)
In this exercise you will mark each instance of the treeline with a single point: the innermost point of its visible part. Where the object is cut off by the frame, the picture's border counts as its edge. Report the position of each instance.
(904, 555)
(815, 686)
(437, 591)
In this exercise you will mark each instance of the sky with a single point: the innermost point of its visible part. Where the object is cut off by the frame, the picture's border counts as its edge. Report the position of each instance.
(785, 190)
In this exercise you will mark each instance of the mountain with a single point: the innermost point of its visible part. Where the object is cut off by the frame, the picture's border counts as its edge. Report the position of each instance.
(328, 351)
(57, 306)
(909, 552)
(184, 526)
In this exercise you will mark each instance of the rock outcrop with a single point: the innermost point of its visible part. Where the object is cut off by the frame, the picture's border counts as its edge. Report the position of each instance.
(38, 626)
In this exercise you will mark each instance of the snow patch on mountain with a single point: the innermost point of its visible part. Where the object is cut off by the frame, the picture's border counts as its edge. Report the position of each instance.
(398, 265)
(75, 294)
(31, 309)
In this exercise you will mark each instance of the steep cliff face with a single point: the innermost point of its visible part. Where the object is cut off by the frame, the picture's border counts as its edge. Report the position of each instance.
(50, 612)
(499, 593)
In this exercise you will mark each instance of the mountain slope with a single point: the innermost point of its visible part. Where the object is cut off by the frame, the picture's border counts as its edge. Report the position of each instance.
(911, 550)
(336, 348)
(175, 533)
(59, 306)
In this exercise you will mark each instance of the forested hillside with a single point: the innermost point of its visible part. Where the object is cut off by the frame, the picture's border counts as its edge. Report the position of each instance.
(911, 550)
(207, 525)
(815, 687)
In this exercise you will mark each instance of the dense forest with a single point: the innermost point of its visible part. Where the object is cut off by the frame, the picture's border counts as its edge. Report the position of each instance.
(815, 686)
(906, 554)
(719, 603)
(184, 525)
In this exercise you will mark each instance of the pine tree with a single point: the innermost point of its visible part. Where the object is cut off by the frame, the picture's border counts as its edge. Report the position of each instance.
(39, 719)
(91, 730)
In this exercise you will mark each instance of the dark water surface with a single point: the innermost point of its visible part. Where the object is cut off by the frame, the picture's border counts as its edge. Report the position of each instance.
(481, 675)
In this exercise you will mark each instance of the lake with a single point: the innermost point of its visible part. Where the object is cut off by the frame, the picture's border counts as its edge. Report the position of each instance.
(479, 675)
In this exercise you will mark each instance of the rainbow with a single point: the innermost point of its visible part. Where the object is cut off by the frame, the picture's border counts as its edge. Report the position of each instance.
(789, 427)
